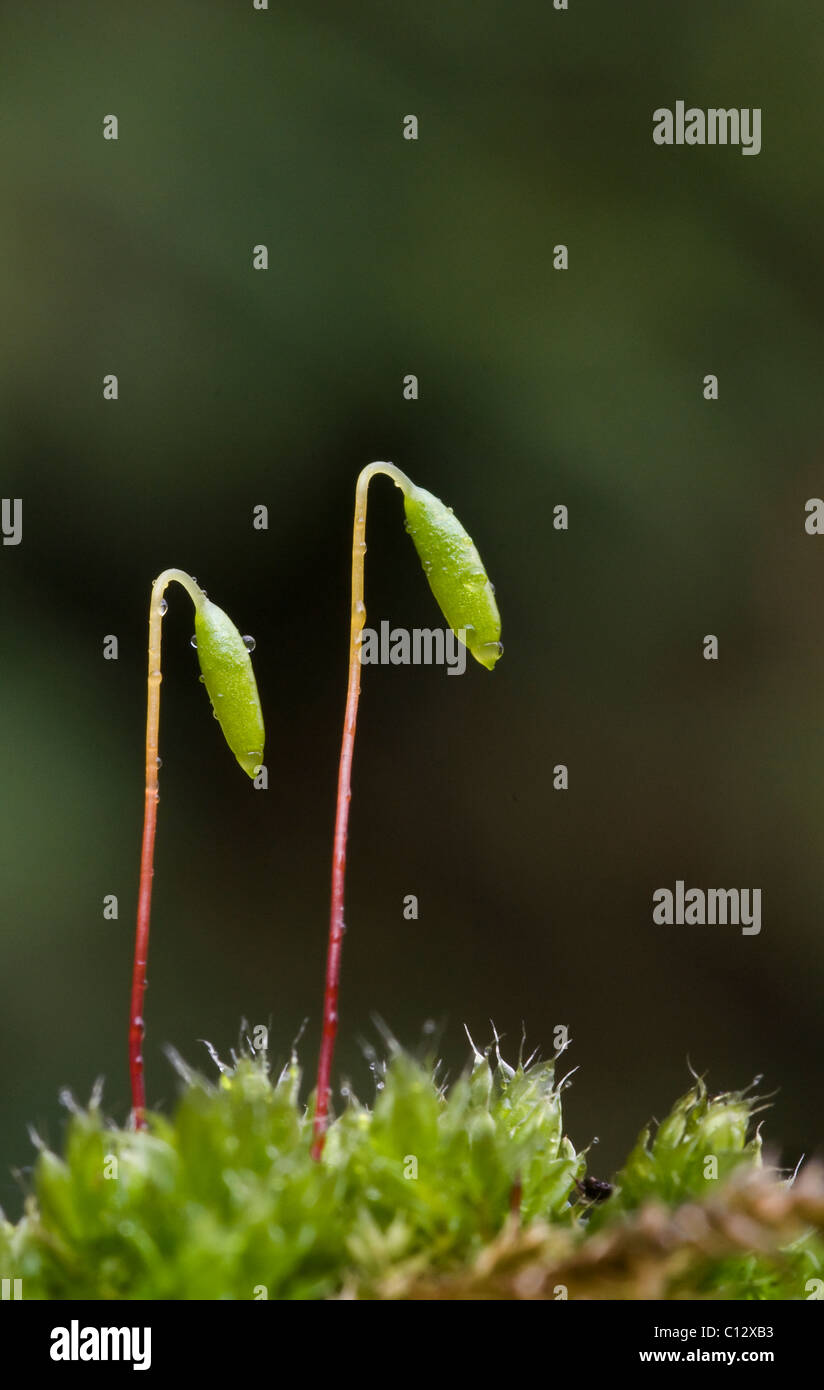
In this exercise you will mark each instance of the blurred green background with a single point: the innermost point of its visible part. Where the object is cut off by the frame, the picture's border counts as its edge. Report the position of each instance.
(537, 387)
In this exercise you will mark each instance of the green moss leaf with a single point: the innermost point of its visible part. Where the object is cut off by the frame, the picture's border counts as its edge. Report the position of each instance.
(701, 1142)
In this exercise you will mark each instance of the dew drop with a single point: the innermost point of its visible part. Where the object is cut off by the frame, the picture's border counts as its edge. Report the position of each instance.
(159, 762)
(193, 642)
(202, 680)
(489, 652)
(163, 606)
(249, 643)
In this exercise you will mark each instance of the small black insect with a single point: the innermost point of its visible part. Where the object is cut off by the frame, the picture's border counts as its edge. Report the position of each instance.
(594, 1189)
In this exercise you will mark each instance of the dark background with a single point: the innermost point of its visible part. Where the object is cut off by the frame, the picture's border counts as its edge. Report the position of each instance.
(536, 387)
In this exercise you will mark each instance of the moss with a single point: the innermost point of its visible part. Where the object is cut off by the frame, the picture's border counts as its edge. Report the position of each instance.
(470, 1192)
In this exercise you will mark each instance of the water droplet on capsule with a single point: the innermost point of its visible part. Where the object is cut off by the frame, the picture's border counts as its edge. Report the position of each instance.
(488, 653)
(249, 643)
(163, 606)
(193, 641)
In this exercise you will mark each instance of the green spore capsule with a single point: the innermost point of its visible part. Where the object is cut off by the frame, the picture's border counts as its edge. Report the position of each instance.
(229, 679)
(456, 574)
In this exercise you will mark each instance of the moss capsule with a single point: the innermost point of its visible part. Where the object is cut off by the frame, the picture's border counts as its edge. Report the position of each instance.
(229, 679)
(456, 574)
